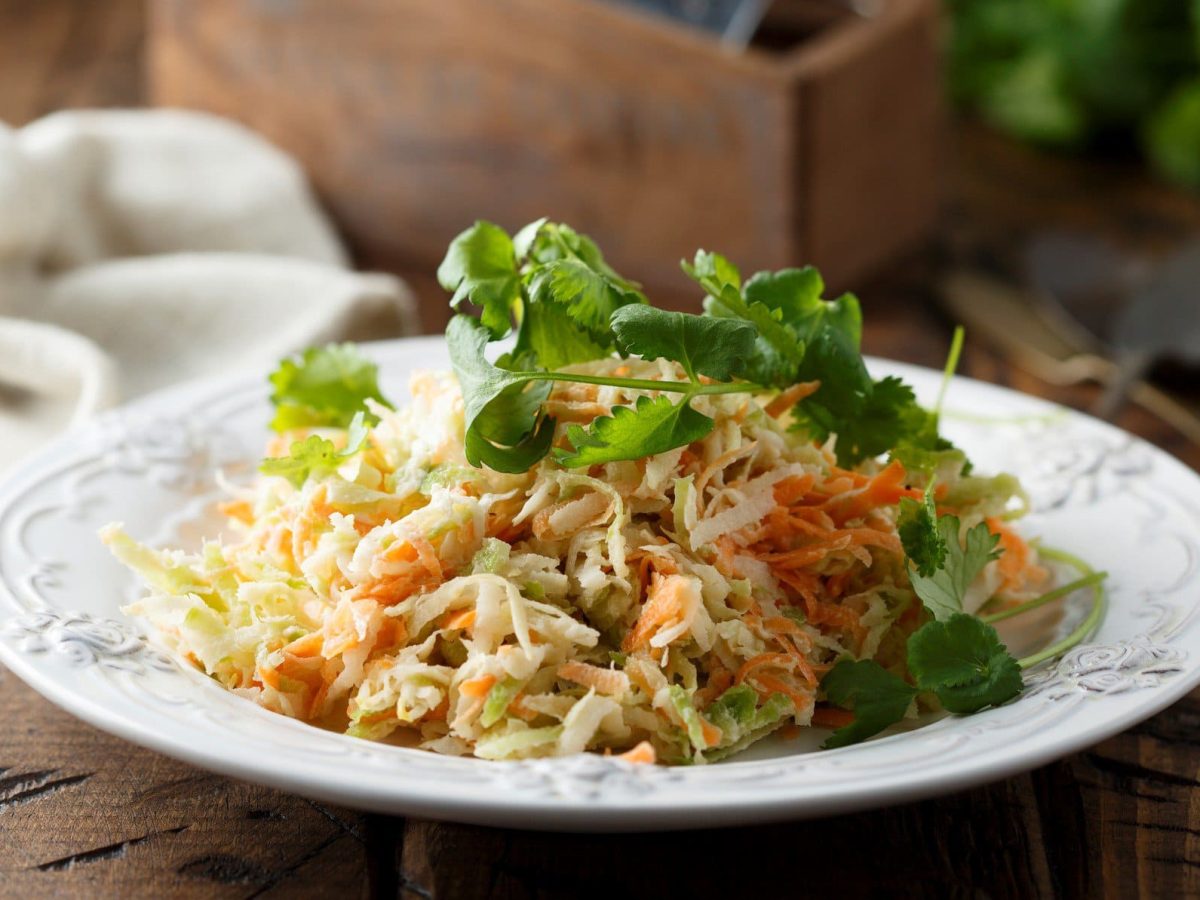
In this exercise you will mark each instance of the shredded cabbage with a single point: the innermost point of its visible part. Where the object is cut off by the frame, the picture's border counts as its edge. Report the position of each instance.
(686, 601)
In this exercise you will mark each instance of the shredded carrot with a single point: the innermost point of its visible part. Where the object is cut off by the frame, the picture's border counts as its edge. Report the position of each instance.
(390, 591)
(831, 717)
(392, 633)
(835, 585)
(309, 645)
(664, 603)
(1014, 563)
(458, 619)
(237, 509)
(605, 681)
(793, 488)
(840, 539)
(791, 636)
(518, 708)
(789, 398)
(763, 659)
(840, 476)
(884, 489)
(428, 556)
(776, 685)
(643, 753)
(782, 625)
(725, 552)
(269, 676)
(477, 687)
(721, 462)
(711, 733)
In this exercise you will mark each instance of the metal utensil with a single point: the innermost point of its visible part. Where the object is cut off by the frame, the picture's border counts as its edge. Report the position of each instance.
(1160, 321)
(1118, 306)
(735, 20)
(1082, 281)
(1020, 327)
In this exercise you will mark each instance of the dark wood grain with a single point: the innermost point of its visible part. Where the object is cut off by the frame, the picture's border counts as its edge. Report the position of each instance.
(83, 814)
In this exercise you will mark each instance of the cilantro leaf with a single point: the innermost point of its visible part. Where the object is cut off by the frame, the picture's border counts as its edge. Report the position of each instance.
(713, 271)
(703, 345)
(963, 662)
(943, 591)
(777, 350)
(567, 268)
(878, 698)
(796, 293)
(589, 295)
(324, 387)
(554, 241)
(316, 456)
(865, 415)
(550, 336)
(523, 240)
(794, 297)
(921, 448)
(504, 425)
(653, 426)
(481, 266)
(917, 524)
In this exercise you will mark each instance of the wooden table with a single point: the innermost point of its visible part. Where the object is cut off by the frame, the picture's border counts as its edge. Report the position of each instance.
(85, 814)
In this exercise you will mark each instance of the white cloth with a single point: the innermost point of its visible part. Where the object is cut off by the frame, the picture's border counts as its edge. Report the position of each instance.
(142, 248)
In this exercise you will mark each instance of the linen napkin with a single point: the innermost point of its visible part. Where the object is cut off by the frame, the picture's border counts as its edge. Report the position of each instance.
(140, 248)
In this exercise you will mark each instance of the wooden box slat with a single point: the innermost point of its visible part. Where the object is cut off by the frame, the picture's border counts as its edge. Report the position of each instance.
(413, 118)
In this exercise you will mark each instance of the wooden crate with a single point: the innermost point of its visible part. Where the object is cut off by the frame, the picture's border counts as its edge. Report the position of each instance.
(415, 117)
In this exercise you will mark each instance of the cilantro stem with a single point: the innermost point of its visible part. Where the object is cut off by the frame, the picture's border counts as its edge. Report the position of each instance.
(1048, 597)
(956, 345)
(1087, 626)
(645, 384)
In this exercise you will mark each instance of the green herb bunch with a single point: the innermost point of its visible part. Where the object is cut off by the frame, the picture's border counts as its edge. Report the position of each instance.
(550, 293)
(550, 286)
(1074, 73)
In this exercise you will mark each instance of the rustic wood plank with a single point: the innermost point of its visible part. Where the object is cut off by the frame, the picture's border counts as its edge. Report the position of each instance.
(84, 814)
(1115, 821)
(413, 119)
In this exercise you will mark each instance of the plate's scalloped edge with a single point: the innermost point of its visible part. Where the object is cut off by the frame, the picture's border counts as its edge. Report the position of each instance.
(1066, 465)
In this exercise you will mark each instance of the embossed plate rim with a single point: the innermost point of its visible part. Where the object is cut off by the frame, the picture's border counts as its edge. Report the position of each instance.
(1128, 680)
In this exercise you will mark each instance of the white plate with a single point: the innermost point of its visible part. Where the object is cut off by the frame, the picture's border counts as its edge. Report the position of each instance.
(1098, 492)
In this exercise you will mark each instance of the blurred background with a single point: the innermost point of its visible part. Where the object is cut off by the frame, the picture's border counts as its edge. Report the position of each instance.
(1029, 168)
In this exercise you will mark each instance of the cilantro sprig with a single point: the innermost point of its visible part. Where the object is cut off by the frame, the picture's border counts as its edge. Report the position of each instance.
(942, 590)
(961, 661)
(316, 456)
(957, 657)
(324, 387)
(924, 544)
(551, 289)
